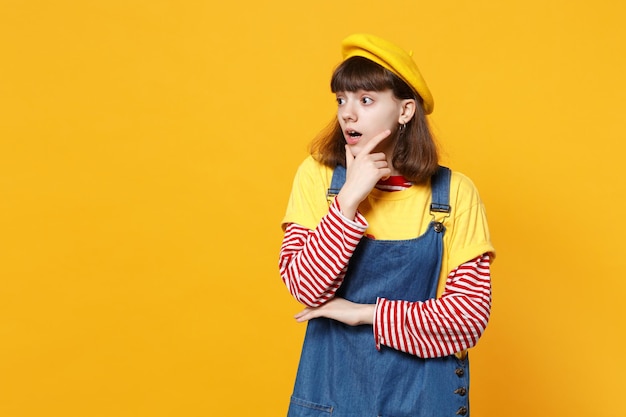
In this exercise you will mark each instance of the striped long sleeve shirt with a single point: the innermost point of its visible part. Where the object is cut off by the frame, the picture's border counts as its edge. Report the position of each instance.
(313, 264)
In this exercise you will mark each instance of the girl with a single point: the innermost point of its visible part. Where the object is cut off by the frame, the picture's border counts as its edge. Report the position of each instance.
(389, 252)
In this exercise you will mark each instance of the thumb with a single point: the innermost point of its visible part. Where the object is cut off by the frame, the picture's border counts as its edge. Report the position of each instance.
(349, 157)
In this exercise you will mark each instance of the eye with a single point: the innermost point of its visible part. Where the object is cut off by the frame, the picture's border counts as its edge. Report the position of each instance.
(340, 101)
(367, 100)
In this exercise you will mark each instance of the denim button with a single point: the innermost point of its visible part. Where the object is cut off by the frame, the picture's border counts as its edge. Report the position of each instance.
(462, 411)
(438, 227)
(461, 391)
(459, 372)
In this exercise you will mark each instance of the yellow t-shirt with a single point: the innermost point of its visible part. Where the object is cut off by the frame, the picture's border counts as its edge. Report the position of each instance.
(400, 215)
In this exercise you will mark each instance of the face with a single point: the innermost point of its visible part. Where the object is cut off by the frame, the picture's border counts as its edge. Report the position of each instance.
(364, 114)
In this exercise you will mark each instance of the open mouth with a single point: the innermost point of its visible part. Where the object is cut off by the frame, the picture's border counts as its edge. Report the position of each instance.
(353, 134)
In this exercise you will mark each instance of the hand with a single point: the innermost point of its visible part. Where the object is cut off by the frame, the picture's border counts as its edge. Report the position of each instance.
(342, 310)
(362, 173)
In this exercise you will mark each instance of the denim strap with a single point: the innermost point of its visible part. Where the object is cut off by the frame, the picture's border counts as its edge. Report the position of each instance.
(339, 177)
(440, 184)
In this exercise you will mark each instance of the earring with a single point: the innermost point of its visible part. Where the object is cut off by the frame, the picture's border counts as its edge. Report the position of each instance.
(402, 127)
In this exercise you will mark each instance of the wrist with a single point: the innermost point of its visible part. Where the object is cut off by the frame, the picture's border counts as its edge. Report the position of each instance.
(346, 207)
(366, 315)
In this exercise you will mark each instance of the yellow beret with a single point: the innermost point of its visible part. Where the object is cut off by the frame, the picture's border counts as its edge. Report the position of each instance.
(391, 57)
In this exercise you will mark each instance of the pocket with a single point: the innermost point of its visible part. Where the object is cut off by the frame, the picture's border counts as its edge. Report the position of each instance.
(302, 408)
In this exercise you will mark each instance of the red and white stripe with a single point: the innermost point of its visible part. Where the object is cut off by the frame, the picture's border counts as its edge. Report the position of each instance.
(442, 326)
(313, 262)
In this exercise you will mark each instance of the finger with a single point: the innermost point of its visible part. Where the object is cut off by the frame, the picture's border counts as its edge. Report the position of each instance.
(301, 313)
(378, 157)
(304, 315)
(369, 146)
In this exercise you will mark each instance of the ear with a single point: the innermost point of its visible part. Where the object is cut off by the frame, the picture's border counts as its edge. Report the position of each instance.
(407, 107)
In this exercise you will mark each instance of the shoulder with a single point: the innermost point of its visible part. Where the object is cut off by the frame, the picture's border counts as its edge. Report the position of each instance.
(469, 235)
(307, 201)
(463, 191)
(311, 172)
(310, 164)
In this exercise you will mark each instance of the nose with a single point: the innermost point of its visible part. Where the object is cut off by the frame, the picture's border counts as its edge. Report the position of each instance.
(347, 112)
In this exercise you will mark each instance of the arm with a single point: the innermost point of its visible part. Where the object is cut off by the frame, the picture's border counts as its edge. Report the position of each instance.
(313, 262)
(434, 328)
(443, 326)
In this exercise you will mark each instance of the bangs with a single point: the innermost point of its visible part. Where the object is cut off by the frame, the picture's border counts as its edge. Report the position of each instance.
(358, 73)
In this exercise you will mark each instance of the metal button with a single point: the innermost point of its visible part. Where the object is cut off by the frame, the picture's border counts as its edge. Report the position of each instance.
(461, 391)
(462, 411)
(438, 227)
(459, 372)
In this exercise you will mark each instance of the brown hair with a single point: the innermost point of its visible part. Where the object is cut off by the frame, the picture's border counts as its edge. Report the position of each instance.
(415, 155)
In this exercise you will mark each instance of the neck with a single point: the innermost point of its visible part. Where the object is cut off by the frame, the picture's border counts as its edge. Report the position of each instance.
(388, 150)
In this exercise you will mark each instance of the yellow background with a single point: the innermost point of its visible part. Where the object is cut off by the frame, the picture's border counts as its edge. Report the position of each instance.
(146, 156)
